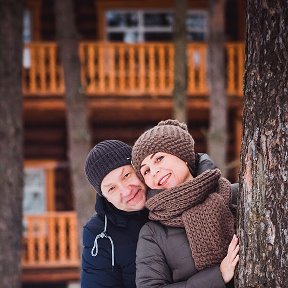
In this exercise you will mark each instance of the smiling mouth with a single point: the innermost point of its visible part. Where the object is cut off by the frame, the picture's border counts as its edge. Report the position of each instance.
(134, 196)
(164, 180)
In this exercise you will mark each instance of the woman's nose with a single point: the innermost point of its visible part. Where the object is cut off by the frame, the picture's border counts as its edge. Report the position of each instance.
(155, 172)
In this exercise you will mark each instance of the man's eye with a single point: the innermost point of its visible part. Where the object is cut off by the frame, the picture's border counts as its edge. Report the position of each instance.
(111, 189)
(126, 175)
(158, 159)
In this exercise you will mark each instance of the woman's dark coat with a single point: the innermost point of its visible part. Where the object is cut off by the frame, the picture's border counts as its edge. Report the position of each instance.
(164, 258)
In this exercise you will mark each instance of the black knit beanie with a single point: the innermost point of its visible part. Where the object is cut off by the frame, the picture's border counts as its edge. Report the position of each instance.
(168, 136)
(105, 157)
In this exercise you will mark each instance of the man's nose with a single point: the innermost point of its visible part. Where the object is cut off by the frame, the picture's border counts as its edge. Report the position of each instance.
(125, 190)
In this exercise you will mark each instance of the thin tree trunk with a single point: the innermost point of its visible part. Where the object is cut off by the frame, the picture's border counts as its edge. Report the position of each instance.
(76, 112)
(179, 93)
(11, 154)
(263, 206)
(217, 135)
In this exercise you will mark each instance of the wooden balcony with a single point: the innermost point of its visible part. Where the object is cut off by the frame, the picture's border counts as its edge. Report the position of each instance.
(50, 247)
(127, 69)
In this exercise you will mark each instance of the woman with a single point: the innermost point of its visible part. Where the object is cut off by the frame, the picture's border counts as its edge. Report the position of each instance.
(188, 246)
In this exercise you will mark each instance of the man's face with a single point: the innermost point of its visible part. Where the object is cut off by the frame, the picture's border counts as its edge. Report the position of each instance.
(122, 188)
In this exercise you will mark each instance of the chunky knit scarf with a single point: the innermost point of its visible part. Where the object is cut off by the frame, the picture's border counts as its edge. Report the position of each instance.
(201, 206)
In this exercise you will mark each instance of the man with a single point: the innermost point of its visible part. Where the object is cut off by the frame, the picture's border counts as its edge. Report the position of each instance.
(110, 236)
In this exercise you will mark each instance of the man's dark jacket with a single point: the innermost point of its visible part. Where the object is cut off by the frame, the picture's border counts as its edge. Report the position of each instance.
(123, 228)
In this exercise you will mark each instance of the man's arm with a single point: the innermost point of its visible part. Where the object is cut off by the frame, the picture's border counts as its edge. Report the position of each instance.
(97, 271)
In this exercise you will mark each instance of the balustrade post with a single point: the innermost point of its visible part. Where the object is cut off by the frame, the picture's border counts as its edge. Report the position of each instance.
(111, 69)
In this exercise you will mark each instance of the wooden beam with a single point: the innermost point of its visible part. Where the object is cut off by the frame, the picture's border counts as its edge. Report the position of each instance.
(241, 12)
(121, 108)
(44, 134)
(48, 151)
(50, 275)
(129, 132)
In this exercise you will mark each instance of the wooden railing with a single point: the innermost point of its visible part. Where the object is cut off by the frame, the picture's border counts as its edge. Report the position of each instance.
(50, 240)
(127, 69)
(235, 68)
(42, 73)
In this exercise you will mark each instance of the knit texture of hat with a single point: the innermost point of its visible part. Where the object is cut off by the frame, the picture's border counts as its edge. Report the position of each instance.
(169, 136)
(105, 157)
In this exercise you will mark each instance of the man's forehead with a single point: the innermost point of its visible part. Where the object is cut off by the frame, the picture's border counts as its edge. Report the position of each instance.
(126, 168)
(116, 174)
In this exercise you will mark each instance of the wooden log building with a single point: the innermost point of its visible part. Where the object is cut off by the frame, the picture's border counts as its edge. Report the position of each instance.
(126, 54)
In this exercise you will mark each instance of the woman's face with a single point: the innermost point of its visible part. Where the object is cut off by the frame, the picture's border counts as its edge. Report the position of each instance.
(163, 171)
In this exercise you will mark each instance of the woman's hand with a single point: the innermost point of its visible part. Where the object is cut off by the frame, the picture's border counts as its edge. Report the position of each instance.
(228, 264)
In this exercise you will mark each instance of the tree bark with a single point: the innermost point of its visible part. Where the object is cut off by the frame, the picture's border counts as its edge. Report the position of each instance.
(217, 135)
(11, 134)
(263, 204)
(76, 112)
(180, 67)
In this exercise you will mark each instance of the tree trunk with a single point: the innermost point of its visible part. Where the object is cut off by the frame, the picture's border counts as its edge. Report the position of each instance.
(11, 134)
(263, 202)
(217, 135)
(76, 112)
(179, 93)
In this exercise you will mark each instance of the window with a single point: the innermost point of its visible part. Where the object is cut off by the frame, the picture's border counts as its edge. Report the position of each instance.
(27, 37)
(197, 26)
(27, 26)
(134, 26)
(31, 28)
(34, 201)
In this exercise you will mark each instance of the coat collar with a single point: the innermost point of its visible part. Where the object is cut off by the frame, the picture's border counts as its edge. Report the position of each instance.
(118, 217)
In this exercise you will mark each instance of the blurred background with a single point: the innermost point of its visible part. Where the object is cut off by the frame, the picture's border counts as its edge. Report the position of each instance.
(127, 70)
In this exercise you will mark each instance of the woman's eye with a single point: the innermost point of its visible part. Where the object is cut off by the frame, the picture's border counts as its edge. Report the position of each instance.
(145, 172)
(158, 159)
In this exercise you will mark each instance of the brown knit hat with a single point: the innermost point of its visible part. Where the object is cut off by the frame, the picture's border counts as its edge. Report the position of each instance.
(169, 136)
